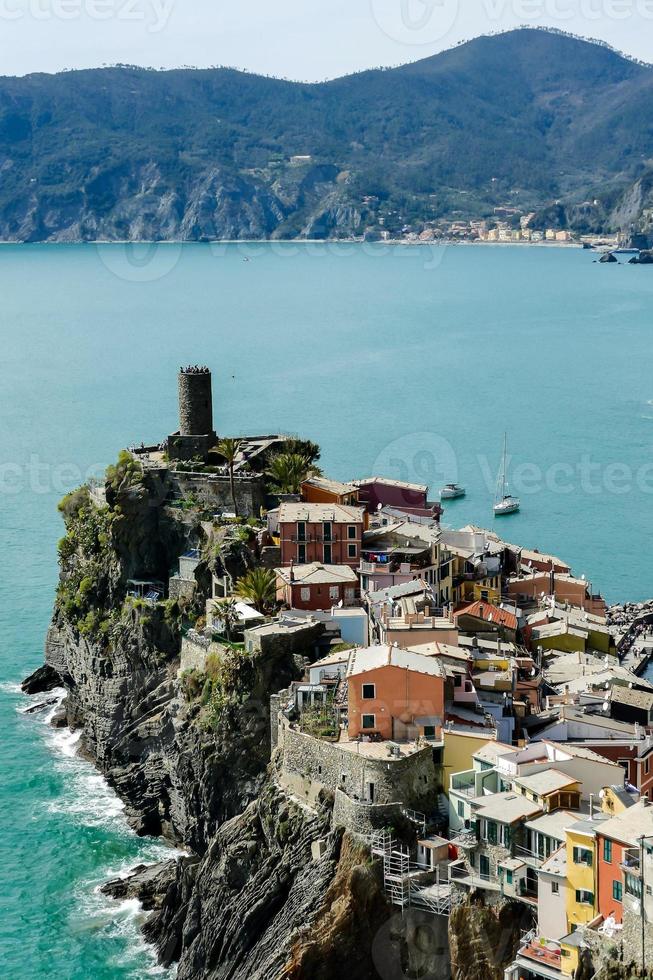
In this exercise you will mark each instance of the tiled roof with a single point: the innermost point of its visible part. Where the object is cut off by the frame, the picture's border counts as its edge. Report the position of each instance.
(317, 513)
(631, 697)
(373, 658)
(489, 613)
(317, 574)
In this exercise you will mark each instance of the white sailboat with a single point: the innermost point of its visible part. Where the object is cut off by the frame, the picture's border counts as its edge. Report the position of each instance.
(504, 502)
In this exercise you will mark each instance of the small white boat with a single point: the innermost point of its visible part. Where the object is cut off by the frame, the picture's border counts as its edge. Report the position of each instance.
(504, 502)
(452, 491)
(508, 505)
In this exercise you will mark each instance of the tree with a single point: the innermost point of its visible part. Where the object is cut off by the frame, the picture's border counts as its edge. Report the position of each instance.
(227, 612)
(258, 586)
(287, 472)
(229, 449)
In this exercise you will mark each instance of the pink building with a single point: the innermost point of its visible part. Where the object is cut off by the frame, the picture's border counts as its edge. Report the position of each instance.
(411, 498)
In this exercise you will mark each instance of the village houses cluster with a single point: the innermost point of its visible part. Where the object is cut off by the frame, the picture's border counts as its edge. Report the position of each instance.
(497, 664)
(468, 705)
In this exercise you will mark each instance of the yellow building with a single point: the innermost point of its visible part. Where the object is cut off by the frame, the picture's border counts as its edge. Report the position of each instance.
(581, 872)
(459, 747)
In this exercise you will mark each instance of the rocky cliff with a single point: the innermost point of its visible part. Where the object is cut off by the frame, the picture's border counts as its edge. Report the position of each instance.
(270, 887)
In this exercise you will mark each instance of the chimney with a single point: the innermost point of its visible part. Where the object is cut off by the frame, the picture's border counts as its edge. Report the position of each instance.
(591, 806)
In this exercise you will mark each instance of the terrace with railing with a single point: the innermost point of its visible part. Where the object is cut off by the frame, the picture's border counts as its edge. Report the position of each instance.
(544, 952)
(464, 782)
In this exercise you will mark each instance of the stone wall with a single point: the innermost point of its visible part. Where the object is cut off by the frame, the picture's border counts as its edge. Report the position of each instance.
(194, 651)
(214, 490)
(363, 818)
(631, 938)
(181, 588)
(413, 780)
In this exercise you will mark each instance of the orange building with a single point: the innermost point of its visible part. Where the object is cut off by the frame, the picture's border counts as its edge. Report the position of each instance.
(321, 490)
(395, 694)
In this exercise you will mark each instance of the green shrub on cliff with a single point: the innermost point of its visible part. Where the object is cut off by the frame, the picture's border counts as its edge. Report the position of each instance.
(85, 558)
(127, 472)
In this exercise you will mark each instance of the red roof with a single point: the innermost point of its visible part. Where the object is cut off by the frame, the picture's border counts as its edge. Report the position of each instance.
(489, 614)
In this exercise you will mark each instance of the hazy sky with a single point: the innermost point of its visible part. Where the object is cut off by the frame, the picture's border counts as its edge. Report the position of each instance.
(303, 39)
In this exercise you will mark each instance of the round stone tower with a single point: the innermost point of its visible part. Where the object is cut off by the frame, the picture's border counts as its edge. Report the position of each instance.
(195, 402)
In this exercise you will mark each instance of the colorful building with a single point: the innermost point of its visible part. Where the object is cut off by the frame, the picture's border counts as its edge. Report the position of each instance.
(317, 586)
(582, 898)
(394, 695)
(330, 534)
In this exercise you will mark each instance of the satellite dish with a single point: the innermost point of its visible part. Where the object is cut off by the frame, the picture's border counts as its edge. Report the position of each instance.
(605, 705)
(533, 672)
(607, 685)
(601, 794)
(630, 685)
(379, 506)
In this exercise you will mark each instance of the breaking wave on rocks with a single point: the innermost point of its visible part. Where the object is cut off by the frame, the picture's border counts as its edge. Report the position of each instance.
(86, 801)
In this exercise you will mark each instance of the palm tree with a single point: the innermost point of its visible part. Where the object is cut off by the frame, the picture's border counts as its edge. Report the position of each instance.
(229, 449)
(258, 586)
(287, 472)
(227, 612)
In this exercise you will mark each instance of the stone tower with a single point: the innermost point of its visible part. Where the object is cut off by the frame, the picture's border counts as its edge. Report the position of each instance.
(196, 435)
(195, 402)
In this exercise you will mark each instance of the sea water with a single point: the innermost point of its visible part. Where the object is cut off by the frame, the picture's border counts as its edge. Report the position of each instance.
(406, 361)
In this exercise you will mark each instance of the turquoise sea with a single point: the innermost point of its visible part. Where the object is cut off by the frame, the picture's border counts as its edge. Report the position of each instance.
(411, 361)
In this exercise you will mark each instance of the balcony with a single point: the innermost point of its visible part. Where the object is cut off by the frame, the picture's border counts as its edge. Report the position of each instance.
(464, 783)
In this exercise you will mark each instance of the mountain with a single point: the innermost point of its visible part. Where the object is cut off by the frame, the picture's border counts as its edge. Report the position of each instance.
(526, 118)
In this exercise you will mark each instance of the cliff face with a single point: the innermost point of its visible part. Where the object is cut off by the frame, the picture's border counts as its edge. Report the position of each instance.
(271, 889)
(484, 938)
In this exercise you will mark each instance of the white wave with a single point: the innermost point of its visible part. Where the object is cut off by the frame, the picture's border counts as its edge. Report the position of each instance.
(10, 687)
(88, 799)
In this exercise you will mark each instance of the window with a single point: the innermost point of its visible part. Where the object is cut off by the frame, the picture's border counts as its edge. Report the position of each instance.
(334, 592)
(461, 808)
(582, 855)
(491, 831)
(633, 886)
(326, 530)
(369, 692)
(607, 851)
(301, 554)
(506, 836)
(617, 891)
(305, 594)
(327, 554)
(351, 531)
(301, 530)
(555, 887)
(584, 897)
(429, 732)
(352, 550)
(350, 593)
(509, 877)
(369, 721)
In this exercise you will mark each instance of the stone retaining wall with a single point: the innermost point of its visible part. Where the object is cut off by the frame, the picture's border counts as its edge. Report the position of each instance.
(413, 781)
(363, 818)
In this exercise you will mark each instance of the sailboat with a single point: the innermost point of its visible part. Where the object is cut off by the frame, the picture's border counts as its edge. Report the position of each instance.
(504, 502)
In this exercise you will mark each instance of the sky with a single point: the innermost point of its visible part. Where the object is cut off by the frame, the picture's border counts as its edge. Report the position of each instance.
(300, 39)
